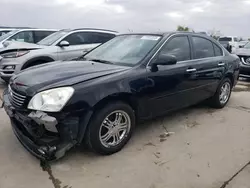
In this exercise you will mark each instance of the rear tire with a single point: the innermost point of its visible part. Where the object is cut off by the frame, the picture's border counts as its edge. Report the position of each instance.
(110, 128)
(222, 95)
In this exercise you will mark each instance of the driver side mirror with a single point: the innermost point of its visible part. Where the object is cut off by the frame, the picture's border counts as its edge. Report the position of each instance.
(163, 59)
(63, 43)
(240, 46)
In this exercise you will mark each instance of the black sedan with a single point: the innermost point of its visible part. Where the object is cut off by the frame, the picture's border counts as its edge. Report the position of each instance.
(99, 98)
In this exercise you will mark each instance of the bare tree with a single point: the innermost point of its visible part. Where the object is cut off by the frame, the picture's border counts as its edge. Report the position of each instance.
(214, 33)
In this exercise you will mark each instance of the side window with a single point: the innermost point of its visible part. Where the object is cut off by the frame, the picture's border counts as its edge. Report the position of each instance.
(217, 50)
(75, 39)
(236, 39)
(39, 35)
(88, 38)
(179, 47)
(101, 37)
(203, 48)
(24, 36)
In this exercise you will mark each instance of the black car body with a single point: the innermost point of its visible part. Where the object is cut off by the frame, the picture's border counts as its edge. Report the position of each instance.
(149, 85)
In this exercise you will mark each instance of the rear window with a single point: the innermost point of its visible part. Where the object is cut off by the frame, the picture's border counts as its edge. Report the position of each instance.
(217, 50)
(40, 35)
(225, 39)
(203, 48)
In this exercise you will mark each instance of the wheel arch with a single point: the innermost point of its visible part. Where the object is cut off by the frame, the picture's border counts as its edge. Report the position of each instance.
(125, 97)
(44, 59)
(231, 77)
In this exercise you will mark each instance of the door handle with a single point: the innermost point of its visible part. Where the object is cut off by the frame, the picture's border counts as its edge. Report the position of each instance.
(191, 70)
(221, 64)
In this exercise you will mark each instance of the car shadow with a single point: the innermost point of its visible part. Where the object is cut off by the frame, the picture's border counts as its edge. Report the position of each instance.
(157, 126)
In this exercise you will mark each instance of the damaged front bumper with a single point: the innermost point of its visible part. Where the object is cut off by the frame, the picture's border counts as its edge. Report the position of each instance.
(46, 136)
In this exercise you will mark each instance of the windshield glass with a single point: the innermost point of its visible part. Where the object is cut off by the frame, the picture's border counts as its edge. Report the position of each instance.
(125, 50)
(225, 39)
(7, 35)
(52, 38)
(247, 45)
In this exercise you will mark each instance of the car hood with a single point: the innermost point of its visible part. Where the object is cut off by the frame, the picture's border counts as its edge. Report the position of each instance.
(61, 73)
(12, 45)
(243, 51)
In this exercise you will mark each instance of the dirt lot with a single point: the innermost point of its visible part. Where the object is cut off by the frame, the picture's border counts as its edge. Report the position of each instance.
(207, 149)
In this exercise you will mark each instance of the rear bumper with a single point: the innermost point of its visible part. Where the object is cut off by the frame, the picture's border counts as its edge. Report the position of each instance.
(38, 140)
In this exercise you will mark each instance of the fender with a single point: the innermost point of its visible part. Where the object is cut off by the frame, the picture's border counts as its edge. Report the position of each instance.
(44, 59)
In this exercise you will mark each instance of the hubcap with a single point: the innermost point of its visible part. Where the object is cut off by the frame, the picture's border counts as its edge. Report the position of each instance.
(225, 92)
(114, 128)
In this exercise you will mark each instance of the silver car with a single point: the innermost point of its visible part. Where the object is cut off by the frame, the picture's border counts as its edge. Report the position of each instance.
(62, 45)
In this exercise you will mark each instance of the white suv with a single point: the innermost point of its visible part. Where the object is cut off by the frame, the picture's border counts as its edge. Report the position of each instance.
(229, 42)
(26, 35)
(62, 45)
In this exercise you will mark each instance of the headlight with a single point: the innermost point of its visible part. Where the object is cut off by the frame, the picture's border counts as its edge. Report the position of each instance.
(14, 54)
(9, 67)
(52, 100)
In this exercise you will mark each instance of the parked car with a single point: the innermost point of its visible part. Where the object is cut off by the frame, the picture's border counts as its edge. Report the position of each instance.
(4, 31)
(242, 43)
(25, 35)
(100, 98)
(62, 45)
(244, 55)
(229, 42)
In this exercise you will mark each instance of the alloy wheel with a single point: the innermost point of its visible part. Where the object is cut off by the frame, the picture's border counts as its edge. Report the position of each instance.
(114, 128)
(225, 92)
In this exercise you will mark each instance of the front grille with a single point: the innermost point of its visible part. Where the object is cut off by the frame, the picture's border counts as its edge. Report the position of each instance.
(15, 98)
(245, 59)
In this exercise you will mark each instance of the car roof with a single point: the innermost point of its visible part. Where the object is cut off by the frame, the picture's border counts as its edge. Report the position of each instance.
(36, 29)
(90, 29)
(168, 33)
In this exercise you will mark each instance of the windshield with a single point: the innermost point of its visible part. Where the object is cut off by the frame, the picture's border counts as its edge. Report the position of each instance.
(247, 45)
(7, 35)
(225, 39)
(49, 40)
(125, 50)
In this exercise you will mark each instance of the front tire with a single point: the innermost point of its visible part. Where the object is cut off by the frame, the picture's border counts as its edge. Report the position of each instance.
(222, 95)
(110, 128)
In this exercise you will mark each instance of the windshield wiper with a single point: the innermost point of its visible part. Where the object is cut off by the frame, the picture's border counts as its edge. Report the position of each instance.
(101, 61)
(81, 58)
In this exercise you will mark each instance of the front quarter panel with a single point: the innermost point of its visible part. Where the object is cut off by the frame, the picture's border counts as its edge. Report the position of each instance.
(132, 84)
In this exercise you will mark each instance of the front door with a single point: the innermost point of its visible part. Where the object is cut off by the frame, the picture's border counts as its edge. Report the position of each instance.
(79, 44)
(170, 86)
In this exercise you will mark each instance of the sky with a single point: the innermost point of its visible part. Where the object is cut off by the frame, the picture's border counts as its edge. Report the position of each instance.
(230, 17)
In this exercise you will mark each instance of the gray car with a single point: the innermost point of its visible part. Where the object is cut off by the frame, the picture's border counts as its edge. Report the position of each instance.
(244, 55)
(62, 45)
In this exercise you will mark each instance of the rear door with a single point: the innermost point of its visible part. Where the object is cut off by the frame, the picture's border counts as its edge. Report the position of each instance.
(207, 67)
